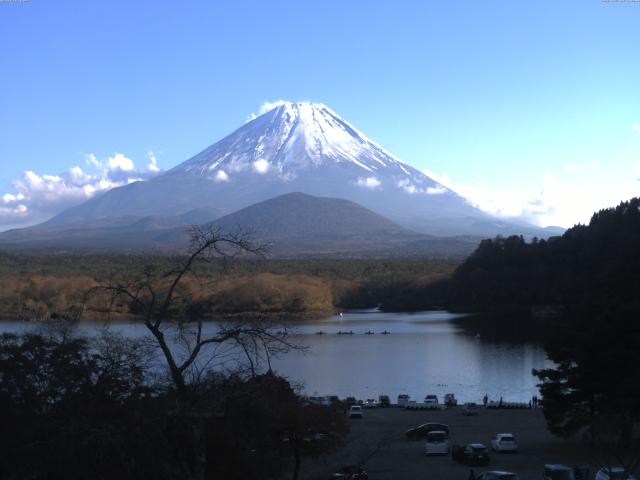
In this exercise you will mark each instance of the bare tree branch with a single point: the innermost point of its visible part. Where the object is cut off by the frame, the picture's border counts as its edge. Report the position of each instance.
(160, 299)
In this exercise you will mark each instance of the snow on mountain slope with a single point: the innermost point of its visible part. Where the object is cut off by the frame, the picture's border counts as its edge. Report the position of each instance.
(294, 137)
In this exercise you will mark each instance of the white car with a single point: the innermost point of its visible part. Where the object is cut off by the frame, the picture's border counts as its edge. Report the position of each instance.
(431, 400)
(324, 401)
(403, 400)
(437, 443)
(355, 411)
(614, 473)
(504, 442)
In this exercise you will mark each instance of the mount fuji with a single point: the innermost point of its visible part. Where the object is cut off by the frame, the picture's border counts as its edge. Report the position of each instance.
(295, 147)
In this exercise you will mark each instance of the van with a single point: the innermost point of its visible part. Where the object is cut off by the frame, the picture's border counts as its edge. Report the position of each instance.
(403, 400)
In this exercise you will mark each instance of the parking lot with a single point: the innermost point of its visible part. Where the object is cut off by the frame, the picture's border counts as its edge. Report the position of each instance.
(378, 440)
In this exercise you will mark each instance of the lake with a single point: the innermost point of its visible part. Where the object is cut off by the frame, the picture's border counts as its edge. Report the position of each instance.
(424, 353)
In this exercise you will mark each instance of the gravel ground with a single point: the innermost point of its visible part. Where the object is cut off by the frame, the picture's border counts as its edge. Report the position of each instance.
(379, 435)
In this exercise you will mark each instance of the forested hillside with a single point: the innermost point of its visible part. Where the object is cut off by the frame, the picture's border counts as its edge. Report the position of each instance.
(596, 263)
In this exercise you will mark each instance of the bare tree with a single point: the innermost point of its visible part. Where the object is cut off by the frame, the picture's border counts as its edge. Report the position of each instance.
(167, 307)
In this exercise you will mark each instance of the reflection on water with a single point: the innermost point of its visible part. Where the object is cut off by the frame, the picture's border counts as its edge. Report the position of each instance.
(424, 352)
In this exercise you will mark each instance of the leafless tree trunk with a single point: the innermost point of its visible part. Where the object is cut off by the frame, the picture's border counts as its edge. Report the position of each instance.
(157, 296)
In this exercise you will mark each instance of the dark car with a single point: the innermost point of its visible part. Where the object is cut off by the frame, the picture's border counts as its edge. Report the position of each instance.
(471, 454)
(350, 401)
(423, 430)
(384, 401)
(554, 471)
(351, 472)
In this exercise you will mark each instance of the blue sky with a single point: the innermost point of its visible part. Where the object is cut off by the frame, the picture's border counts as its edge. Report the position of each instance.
(527, 108)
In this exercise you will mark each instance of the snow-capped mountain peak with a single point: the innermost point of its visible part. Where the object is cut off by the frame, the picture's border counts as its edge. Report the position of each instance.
(295, 137)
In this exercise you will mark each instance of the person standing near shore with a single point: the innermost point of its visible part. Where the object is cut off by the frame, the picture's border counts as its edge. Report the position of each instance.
(485, 400)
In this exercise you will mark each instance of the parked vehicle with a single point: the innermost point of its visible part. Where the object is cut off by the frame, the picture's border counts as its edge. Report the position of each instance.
(613, 473)
(403, 400)
(320, 400)
(497, 475)
(423, 430)
(370, 403)
(350, 401)
(470, 408)
(431, 400)
(333, 398)
(553, 471)
(351, 472)
(471, 454)
(437, 443)
(384, 401)
(355, 411)
(450, 400)
(504, 442)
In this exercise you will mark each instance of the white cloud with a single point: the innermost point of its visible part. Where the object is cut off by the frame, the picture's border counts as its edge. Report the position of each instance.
(9, 198)
(438, 190)
(636, 127)
(369, 182)
(562, 198)
(120, 162)
(38, 197)
(221, 176)
(266, 107)
(261, 166)
(441, 178)
(410, 187)
(93, 161)
(152, 166)
(407, 186)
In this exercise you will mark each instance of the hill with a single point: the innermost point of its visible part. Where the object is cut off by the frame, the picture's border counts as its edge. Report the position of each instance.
(595, 263)
(292, 226)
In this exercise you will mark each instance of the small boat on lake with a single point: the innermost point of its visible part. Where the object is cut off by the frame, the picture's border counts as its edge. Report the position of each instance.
(385, 332)
(369, 332)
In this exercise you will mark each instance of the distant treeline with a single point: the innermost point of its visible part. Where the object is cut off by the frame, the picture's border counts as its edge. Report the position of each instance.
(41, 286)
(595, 263)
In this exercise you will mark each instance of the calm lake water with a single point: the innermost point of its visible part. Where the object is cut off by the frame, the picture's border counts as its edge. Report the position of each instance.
(424, 353)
